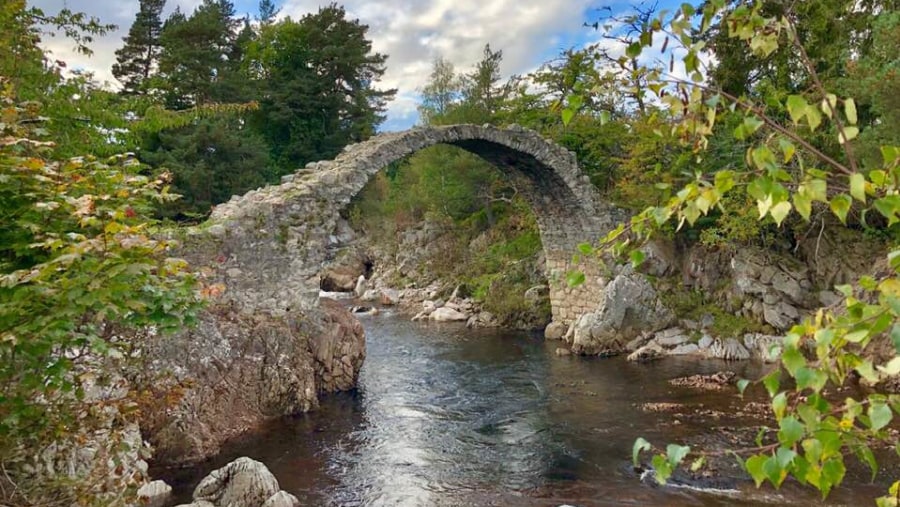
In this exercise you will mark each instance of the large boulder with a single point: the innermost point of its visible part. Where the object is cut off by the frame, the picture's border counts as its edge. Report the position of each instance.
(242, 483)
(630, 306)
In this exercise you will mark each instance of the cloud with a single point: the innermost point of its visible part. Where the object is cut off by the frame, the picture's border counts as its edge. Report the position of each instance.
(118, 12)
(411, 32)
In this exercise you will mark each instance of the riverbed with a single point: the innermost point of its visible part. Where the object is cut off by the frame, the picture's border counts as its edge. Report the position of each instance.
(448, 416)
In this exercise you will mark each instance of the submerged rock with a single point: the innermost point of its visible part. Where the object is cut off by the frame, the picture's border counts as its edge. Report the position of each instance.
(714, 382)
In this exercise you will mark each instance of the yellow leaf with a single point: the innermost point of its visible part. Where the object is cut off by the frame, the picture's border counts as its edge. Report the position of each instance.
(764, 205)
(890, 287)
(780, 211)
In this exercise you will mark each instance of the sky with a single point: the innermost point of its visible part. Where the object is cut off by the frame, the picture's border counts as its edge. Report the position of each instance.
(411, 32)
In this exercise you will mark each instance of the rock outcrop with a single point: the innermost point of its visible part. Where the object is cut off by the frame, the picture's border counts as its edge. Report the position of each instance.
(630, 306)
(237, 370)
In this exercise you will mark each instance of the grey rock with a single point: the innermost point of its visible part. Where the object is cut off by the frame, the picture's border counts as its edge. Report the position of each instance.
(630, 306)
(705, 342)
(729, 350)
(390, 297)
(638, 342)
(155, 494)
(659, 258)
(829, 298)
(555, 331)
(789, 286)
(781, 316)
(763, 347)
(445, 314)
(360, 288)
(242, 483)
(670, 337)
(649, 352)
(561, 351)
(282, 499)
(685, 350)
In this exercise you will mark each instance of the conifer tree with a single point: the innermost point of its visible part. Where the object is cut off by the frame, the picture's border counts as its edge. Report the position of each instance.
(137, 59)
(198, 54)
(267, 12)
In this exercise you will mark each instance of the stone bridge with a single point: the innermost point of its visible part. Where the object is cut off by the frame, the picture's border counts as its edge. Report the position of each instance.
(268, 246)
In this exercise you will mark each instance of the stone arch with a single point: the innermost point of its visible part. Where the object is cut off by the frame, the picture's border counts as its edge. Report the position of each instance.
(272, 241)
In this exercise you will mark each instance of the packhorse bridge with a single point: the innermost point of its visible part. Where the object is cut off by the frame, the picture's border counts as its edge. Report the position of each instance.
(269, 245)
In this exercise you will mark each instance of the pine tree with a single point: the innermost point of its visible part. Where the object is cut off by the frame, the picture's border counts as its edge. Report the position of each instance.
(267, 12)
(320, 95)
(197, 57)
(482, 94)
(137, 59)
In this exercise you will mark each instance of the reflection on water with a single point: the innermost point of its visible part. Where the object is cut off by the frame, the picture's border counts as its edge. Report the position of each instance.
(446, 416)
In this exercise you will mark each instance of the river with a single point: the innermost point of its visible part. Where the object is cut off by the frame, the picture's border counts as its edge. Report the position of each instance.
(447, 416)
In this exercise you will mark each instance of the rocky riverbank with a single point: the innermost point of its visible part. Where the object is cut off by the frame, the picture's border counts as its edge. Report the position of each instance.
(680, 302)
(235, 371)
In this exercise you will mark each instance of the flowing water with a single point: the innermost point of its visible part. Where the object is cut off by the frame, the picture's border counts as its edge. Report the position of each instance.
(447, 416)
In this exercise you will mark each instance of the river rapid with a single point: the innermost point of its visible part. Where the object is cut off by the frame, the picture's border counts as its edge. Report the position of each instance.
(448, 416)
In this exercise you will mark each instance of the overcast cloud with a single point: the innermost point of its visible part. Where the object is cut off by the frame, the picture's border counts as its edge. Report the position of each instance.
(411, 32)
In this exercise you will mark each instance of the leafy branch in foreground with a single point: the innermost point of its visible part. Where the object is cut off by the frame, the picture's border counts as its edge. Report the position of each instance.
(80, 272)
(800, 159)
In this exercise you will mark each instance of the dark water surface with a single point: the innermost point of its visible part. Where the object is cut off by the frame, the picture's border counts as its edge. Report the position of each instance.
(446, 416)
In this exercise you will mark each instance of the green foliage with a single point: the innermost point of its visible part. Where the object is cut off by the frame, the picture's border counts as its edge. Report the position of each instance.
(199, 62)
(304, 115)
(441, 94)
(209, 161)
(80, 271)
